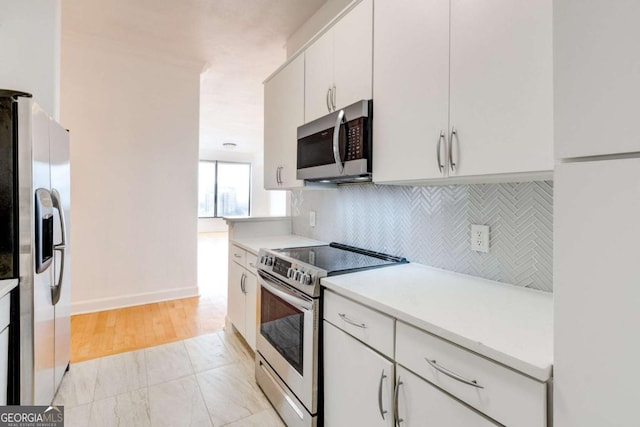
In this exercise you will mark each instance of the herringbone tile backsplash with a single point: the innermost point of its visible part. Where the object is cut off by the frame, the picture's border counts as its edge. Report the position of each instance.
(432, 226)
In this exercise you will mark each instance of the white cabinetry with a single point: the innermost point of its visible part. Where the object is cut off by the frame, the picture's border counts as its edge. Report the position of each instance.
(338, 65)
(242, 294)
(596, 293)
(420, 403)
(475, 82)
(283, 113)
(358, 383)
(597, 89)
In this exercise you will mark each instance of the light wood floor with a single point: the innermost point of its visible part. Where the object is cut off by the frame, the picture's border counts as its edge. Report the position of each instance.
(116, 331)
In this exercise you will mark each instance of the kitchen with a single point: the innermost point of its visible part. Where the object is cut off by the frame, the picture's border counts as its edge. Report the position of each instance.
(507, 131)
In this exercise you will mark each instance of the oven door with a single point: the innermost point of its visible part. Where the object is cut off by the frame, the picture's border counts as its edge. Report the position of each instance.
(288, 337)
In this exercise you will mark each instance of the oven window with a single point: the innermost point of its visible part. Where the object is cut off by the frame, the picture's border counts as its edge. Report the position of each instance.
(283, 326)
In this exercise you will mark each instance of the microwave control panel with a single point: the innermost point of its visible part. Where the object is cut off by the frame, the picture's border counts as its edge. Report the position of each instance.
(355, 146)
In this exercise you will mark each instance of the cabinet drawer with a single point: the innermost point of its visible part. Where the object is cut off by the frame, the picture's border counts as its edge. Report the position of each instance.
(367, 325)
(252, 262)
(5, 308)
(506, 396)
(239, 255)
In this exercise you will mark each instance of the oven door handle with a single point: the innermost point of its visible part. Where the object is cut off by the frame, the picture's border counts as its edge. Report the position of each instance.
(286, 296)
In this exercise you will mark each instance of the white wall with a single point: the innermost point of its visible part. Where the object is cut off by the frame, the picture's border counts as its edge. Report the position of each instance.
(134, 122)
(30, 50)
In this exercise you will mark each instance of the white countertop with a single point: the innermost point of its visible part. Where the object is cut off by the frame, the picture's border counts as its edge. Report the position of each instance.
(231, 219)
(7, 286)
(254, 244)
(509, 324)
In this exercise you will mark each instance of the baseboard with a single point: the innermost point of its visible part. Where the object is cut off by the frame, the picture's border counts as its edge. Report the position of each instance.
(102, 304)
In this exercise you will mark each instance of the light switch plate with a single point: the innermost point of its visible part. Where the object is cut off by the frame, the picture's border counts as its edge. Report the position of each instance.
(312, 218)
(480, 238)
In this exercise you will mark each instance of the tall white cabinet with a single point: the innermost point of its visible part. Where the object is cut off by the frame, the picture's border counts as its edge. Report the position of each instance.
(464, 89)
(283, 113)
(338, 68)
(597, 206)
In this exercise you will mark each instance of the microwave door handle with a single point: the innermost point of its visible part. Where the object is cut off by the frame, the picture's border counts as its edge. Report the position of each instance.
(336, 141)
(286, 296)
(60, 247)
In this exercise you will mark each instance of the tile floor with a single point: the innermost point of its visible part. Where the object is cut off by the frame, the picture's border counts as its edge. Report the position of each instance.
(203, 381)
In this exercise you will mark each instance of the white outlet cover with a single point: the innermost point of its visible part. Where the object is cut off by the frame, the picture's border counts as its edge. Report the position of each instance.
(480, 238)
(312, 218)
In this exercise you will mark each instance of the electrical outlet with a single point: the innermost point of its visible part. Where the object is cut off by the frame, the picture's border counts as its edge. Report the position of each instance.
(480, 238)
(312, 218)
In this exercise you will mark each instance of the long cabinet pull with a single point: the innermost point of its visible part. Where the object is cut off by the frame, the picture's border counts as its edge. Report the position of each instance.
(396, 411)
(328, 99)
(382, 410)
(242, 287)
(454, 134)
(333, 97)
(352, 322)
(440, 138)
(452, 374)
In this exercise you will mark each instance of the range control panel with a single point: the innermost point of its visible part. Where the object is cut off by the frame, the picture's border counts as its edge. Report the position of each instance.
(291, 272)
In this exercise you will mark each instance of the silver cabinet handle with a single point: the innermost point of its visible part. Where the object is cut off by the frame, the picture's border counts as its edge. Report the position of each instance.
(333, 97)
(454, 134)
(395, 400)
(279, 175)
(336, 141)
(352, 322)
(452, 374)
(328, 99)
(382, 410)
(440, 138)
(252, 265)
(237, 256)
(242, 288)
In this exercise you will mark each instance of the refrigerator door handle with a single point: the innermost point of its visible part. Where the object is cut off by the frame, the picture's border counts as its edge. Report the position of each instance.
(60, 247)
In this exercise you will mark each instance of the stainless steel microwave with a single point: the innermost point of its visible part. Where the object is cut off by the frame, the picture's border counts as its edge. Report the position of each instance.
(336, 148)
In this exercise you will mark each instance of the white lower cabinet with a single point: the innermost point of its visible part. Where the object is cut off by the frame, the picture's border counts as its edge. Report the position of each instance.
(420, 403)
(358, 383)
(242, 297)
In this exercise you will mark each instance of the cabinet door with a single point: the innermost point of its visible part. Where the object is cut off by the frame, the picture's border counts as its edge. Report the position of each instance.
(501, 101)
(597, 89)
(420, 403)
(235, 297)
(283, 113)
(251, 309)
(596, 293)
(318, 74)
(410, 89)
(358, 383)
(353, 55)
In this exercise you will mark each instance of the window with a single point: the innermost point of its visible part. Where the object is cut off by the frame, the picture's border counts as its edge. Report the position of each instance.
(224, 189)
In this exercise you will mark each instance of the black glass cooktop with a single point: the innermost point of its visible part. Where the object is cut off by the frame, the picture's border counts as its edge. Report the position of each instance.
(337, 258)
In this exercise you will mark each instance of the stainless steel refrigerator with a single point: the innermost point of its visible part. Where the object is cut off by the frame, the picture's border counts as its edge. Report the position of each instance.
(40, 328)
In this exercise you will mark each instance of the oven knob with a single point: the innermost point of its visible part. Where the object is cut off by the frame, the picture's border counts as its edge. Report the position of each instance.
(298, 275)
(306, 279)
(269, 261)
(290, 272)
(262, 259)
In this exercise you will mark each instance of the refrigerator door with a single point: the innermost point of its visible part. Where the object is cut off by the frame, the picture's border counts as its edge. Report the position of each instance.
(43, 310)
(61, 292)
(596, 293)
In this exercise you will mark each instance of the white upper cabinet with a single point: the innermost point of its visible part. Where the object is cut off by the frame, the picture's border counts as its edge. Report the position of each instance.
(479, 74)
(501, 103)
(283, 113)
(338, 65)
(597, 82)
(411, 90)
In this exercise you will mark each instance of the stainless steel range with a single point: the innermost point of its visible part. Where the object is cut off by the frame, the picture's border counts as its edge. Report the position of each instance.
(289, 333)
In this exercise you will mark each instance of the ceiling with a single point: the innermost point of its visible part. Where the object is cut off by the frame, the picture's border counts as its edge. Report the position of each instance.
(240, 41)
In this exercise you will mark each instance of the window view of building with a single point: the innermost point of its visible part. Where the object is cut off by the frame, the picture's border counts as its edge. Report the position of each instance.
(224, 189)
